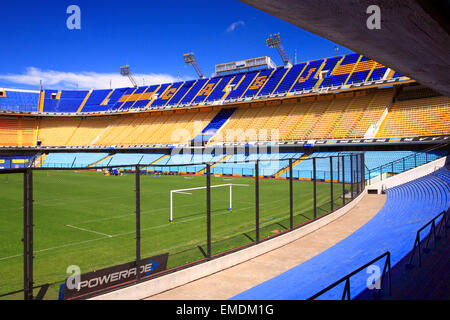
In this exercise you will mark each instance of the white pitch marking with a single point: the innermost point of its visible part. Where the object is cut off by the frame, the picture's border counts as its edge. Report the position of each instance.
(128, 233)
(104, 234)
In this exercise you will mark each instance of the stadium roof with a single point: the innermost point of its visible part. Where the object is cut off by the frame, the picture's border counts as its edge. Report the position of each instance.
(414, 38)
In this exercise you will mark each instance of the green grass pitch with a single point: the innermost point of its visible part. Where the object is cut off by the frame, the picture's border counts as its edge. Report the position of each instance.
(86, 219)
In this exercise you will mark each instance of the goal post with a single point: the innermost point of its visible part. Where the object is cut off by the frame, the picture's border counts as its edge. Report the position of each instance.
(186, 191)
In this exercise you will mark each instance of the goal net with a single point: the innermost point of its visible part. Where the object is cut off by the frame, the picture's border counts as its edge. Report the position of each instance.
(187, 191)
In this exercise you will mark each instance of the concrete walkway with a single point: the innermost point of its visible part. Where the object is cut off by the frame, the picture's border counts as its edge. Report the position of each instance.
(230, 282)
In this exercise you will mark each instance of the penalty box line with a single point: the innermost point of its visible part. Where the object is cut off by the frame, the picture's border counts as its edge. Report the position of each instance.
(204, 187)
(87, 230)
(128, 233)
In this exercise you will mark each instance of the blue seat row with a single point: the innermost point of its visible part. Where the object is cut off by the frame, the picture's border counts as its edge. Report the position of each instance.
(408, 207)
(69, 160)
(15, 100)
(320, 73)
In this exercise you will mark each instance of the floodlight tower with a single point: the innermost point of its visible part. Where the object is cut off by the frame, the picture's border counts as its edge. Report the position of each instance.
(189, 58)
(125, 71)
(274, 41)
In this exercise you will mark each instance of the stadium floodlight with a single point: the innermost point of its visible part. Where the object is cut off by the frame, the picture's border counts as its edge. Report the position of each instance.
(189, 58)
(125, 71)
(274, 41)
(185, 191)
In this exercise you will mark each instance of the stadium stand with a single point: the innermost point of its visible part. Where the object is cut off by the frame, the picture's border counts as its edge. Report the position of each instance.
(19, 100)
(374, 159)
(415, 91)
(215, 124)
(362, 113)
(17, 132)
(338, 116)
(67, 160)
(376, 162)
(419, 117)
(123, 130)
(408, 207)
(10, 162)
(94, 101)
(57, 132)
(322, 73)
(369, 115)
(266, 168)
(180, 159)
(129, 159)
(66, 101)
(334, 116)
(272, 82)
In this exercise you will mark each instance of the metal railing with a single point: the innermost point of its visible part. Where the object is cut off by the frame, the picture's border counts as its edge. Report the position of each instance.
(407, 163)
(346, 292)
(326, 198)
(433, 233)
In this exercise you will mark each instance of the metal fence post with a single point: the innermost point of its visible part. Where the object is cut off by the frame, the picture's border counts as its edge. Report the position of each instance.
(26, 290)
(208, 210)
(315, 188)
(363, 170)
(331, 183)
(360, 177)
(138, 224)
(30, 232)
(291, 197)
(351, 176)
(28, 235)
(338, 168)
(357, 179)
(343, 180)
(257, 200)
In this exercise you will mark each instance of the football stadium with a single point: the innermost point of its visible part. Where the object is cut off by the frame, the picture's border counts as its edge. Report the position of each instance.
(322, 178)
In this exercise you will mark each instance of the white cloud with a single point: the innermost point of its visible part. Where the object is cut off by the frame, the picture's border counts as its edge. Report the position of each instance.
(83, 80)
(234, 25)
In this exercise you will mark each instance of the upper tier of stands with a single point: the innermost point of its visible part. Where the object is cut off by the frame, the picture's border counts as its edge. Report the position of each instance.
(335, 72)
(408, 207)
(19, 100)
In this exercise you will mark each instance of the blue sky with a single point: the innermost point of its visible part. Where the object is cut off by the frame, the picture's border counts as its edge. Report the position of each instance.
(150, 36)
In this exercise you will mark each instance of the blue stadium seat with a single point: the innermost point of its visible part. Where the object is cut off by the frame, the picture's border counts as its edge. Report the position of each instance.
(19, 100)
(306, 80)
(193, 91)
(273, 81)
(238, 91)
(69, 160)
(408, 207)
(289, 78)
(95, 99)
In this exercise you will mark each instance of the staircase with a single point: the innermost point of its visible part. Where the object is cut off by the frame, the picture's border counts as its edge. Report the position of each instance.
(296, 162)
(216, 123)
